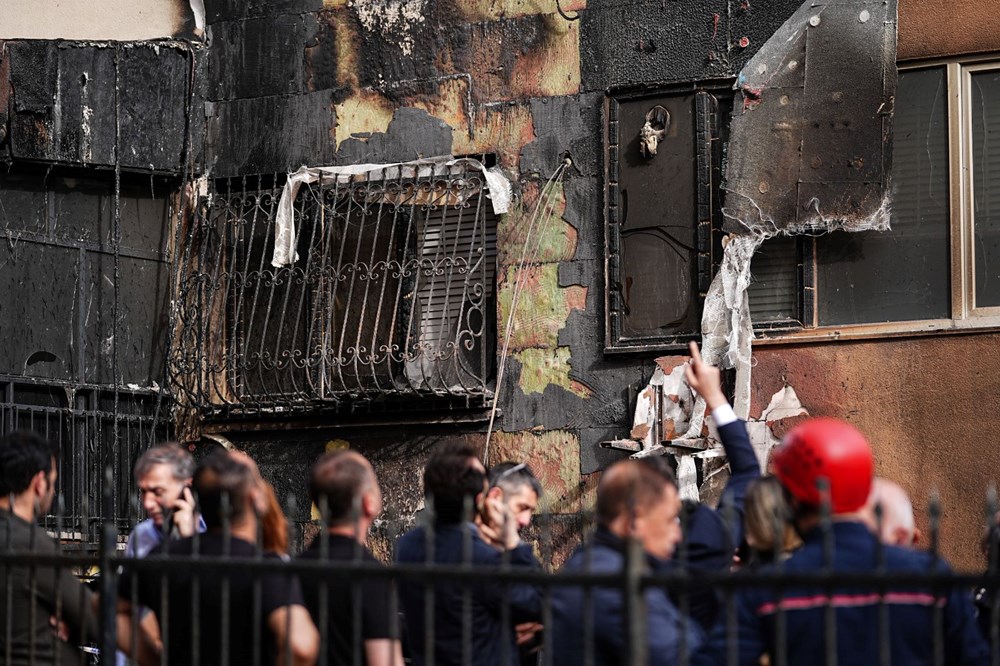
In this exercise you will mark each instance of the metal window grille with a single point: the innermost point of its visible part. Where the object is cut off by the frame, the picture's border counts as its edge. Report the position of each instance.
(389, 303)
(81, 421)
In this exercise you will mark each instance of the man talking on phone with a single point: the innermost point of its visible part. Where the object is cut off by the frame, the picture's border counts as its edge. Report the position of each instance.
(466, 625)
(163, 474)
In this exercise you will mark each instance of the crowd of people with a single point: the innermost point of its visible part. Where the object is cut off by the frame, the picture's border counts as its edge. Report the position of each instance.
(820, 510)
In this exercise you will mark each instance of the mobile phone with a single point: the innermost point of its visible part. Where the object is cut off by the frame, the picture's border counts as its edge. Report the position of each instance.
(169, 528)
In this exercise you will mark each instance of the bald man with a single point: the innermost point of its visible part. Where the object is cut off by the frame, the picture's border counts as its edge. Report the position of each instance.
(344, 488)
(635, 501)
(897, 527)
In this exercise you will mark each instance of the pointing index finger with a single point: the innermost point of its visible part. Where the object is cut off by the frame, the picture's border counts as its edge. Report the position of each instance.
(695, 354)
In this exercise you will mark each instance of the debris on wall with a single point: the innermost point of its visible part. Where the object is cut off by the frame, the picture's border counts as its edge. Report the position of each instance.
(665, 416)
(663, 408)
(782, 413)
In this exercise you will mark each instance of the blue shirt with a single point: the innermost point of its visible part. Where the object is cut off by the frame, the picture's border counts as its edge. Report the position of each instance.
(146, 536)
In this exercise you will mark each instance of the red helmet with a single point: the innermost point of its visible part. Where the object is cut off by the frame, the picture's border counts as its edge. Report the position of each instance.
(830, 449)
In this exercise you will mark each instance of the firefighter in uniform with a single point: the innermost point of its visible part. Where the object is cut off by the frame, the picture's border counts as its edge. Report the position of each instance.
(828, 450)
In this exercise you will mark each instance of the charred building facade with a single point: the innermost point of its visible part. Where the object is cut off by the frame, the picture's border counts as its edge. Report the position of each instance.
(298, 225)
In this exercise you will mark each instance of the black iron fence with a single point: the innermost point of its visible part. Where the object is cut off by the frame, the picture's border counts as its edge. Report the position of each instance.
(93, 427)
(191, 581)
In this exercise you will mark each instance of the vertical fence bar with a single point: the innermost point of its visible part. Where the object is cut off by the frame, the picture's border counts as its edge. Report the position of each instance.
(324, 585)
(589, 640)
(934, 508)
(884, 649)
(109, 593)
(829, 546)
(467, 513)
(635, 619)
(989, 591)
(429, 557)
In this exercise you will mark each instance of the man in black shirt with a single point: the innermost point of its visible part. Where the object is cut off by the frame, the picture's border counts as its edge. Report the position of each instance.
(344, 487)
(39, 598)
(212, 617)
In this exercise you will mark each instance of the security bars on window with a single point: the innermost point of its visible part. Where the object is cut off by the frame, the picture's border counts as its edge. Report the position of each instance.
(389, 303)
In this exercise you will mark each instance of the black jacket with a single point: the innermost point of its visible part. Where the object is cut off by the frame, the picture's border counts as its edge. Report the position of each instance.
(490, 641)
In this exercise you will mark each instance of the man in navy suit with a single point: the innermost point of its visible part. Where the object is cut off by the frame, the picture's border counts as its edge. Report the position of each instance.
(469, 624)
(711, 536)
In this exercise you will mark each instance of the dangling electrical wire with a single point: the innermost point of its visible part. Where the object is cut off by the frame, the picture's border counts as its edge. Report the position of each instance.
(183, 202)
(545, 205)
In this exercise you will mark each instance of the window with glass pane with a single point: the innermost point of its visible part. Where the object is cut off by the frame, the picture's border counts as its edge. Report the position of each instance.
(985, 100)
(902, 274)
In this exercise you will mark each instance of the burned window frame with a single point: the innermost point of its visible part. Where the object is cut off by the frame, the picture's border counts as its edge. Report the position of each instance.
(710, 140)
(964, 314)
(211, 361)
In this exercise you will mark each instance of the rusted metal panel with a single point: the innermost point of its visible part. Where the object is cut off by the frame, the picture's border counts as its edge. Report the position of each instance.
(810, 143)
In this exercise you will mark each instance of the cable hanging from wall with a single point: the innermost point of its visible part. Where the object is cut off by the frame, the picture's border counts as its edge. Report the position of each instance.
(543, 210)
(562, 12)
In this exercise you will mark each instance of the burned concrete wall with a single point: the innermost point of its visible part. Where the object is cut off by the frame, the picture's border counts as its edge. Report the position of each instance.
(97, 105)
(389, 81)
(275, 85)
(402, 80)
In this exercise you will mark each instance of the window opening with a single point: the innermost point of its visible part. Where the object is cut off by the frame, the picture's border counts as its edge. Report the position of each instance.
(388, 302)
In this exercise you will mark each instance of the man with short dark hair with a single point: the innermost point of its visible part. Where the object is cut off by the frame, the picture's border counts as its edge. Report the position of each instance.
(344, 488)
(636, 502)
(229, 499)
(455, 488)
(41, 598)
(515, 485)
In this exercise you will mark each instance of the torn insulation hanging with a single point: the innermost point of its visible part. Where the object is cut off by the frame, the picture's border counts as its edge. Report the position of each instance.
(284, 228)
(810, 152)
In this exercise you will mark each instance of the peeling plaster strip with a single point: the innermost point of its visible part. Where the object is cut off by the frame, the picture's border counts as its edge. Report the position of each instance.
(545, 196)
(284, 221)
